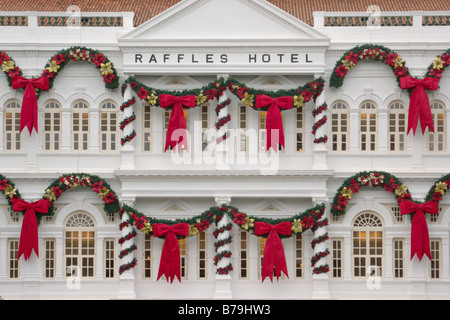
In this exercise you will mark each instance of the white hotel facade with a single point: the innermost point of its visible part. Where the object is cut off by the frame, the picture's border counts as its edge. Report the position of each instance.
(189, 46)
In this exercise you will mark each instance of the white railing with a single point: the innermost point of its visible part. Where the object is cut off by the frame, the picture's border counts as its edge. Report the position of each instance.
(64, 19)
(381, 19)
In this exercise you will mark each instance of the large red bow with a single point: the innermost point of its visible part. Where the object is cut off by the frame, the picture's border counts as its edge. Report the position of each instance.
(170, 256)
(420, 239)
(177, 119)
(273, 251)
(29, 113)
(419, 103)
(274, 120)
(29, 232)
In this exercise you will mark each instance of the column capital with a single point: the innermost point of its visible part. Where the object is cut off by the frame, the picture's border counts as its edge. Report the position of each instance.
(223, 201)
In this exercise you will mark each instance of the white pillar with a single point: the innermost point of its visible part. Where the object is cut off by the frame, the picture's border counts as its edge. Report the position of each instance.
(127, 279)
(223, 147)
(127, 150)
(223, 282)
(320, 281)
(320, 150)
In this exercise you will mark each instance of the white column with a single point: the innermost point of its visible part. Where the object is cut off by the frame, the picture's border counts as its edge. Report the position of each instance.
(320, 149)
(383, 132)
(320, 281)
(127, 279)
(417, 274)
(354, 131)
(127, 150)
(94, 121)
(66, 139)
(223, 282)
(223, 148)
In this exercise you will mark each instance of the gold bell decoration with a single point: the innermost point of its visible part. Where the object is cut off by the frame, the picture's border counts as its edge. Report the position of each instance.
(8, 65)
(401, 191)
(297, 226)
(248, 99)
(441, 187)
(346, 192)
(151, 99)
(147, 228)
(299, 101)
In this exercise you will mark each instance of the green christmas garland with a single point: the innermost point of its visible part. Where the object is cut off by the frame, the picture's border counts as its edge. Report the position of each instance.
(9, 190)
(311, 219)
(72, 181)
(368, 52)
(352, 185)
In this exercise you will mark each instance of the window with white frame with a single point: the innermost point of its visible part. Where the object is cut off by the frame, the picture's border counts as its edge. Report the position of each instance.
(398, 217)
(202, 259)
(79, 248)
(13, 263)
(397, 127)
(398, 250)
(298, 247)
(339, 127)
(108, 127)
(204, 118)
(167, 113)
(299, 129)
(367, 246)
(147, 128)
(436, 260)
(13, 137)
(109, 258)
(183, 258)
(243, 119)
(337, 258)
(148, 246)
(243, 255)
(80, 127)
(368, 127)
(436, 142)
(52, 126)
(49, 258)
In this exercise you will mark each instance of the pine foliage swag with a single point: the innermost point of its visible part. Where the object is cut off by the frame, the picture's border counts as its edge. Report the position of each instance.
(9, 190)
(367, 52)
(311, 219)
(352, 185)
(82, 180)
(60, 60)
(150, 95)
(215, 90)
(438, 66)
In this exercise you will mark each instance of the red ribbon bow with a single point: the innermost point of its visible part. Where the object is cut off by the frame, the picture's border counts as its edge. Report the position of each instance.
(274, 120)
(170, 256)
(177, 119)
(419, 104)
(29, 232)
(29, 112)
(420, 239)
(273, 251)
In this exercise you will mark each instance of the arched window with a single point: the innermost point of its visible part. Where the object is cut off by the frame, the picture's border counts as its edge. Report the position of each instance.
(80, 127)
(339, 127)
(367, 245)
(79, 246)
(52, 126)
(108, 127)
(436, 142)
(397, 127)
(13, 138)
(368, 127)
